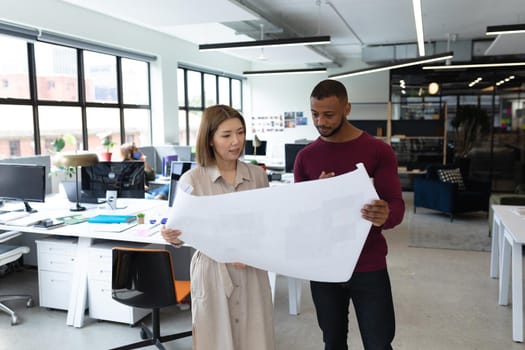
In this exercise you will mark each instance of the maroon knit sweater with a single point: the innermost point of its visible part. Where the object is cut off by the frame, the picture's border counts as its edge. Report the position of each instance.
(381, 165)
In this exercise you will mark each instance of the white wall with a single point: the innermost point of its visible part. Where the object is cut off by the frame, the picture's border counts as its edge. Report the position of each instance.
(61, 17)
(274, 95)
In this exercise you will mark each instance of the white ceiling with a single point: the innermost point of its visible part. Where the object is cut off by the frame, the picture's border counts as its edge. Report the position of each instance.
(352, 24)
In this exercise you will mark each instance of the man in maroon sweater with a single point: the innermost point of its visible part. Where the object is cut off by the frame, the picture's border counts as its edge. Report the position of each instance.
(337, 151)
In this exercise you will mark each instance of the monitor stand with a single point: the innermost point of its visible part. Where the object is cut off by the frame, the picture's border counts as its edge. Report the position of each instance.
(28, 208)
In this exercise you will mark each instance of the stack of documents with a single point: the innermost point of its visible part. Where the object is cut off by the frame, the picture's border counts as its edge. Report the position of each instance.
(12, 215)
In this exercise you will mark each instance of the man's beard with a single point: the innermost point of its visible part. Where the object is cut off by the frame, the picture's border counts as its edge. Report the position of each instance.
(333, 131)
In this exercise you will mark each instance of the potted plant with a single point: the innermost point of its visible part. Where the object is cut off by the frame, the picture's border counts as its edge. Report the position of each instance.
(470, 124)
(57, 146)
(108, 145)
(140, 218)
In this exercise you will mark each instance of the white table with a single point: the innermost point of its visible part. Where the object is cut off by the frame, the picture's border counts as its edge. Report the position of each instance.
(56, 206)
(508, 237)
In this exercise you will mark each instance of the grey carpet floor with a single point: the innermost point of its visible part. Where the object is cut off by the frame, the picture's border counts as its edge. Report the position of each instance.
(432, 229)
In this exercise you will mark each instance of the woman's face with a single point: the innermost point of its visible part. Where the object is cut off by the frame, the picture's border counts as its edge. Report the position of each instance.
(228, 140)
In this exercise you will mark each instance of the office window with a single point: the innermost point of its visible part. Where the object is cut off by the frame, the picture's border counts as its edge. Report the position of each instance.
(135, 76)
(13, 68)
(102, 122)
(195, 118)
(210, 89)
(14, 148)
(194, 89)
(100, 72)
(180, 87)
(224, 91)
(56, 72)
(20, 132)
(60, 101)
(56, 121)
(183, 127)
(197, 90)
(236, 94)
(137, 124)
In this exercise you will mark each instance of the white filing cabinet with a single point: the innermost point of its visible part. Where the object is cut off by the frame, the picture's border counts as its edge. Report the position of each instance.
(101, 305)
(56, 263)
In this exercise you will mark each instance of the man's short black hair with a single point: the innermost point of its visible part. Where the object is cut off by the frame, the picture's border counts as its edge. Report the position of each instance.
(329, 87)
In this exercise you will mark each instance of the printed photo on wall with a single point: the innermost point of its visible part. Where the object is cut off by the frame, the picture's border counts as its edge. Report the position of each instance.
(289, 119)
(300, 119)
(264, 124)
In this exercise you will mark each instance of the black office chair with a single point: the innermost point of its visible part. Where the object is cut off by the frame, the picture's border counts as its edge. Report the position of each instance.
(10, 254)
(144, 278)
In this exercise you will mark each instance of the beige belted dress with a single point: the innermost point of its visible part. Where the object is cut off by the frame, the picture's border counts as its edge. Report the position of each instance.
(231, 307)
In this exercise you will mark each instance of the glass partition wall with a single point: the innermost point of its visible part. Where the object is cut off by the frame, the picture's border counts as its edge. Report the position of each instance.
(497, 94)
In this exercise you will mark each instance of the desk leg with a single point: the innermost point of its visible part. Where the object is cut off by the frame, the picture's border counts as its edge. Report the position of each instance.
(294, 295)
(517, 293)
(504, 278)
(78, 298)
(272, 277)
(494, 253)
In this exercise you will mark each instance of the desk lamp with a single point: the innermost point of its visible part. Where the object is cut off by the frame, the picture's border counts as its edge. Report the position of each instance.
(76, 159)
(256, 143)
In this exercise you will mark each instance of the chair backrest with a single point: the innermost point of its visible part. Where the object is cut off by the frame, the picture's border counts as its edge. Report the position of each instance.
(143, 278)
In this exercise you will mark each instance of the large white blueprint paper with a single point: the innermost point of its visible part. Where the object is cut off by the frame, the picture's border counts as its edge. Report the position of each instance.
(310, 230)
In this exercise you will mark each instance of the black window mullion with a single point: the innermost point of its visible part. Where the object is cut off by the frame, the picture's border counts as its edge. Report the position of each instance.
(82, 96)
(186, 106)
(217, 92)
(120, 100)
(149, 103)
(33, 96)
(230, 90)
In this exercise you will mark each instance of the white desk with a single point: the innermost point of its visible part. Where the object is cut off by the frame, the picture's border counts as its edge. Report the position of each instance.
(58, 206)
(508, 237)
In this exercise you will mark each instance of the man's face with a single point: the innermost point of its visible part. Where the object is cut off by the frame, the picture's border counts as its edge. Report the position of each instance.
(329, 115)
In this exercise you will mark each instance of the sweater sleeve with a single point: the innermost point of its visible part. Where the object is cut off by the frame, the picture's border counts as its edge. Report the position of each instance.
(388, 186)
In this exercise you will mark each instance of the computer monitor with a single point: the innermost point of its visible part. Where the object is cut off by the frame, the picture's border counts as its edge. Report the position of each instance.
(23, 182)
(177, 169)
(127, 178)
(290, 152)
(166, 163)
(249, 150)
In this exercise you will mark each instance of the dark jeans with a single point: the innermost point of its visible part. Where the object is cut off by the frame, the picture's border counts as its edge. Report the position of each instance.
(371, 296)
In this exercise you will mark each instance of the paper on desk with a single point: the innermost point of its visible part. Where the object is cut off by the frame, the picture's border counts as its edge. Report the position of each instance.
(309, 230)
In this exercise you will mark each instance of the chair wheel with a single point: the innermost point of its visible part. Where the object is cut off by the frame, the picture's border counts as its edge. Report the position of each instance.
(14, 320)
(30, 302)
(143, 334)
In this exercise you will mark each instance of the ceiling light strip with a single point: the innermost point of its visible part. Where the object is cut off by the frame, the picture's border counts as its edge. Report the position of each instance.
(284, 71)
(400, 64)
(506, 29)
(476, 65)
(418, 17)
(312, 40)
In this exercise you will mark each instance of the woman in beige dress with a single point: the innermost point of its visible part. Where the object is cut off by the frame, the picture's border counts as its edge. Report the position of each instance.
(231, 303)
